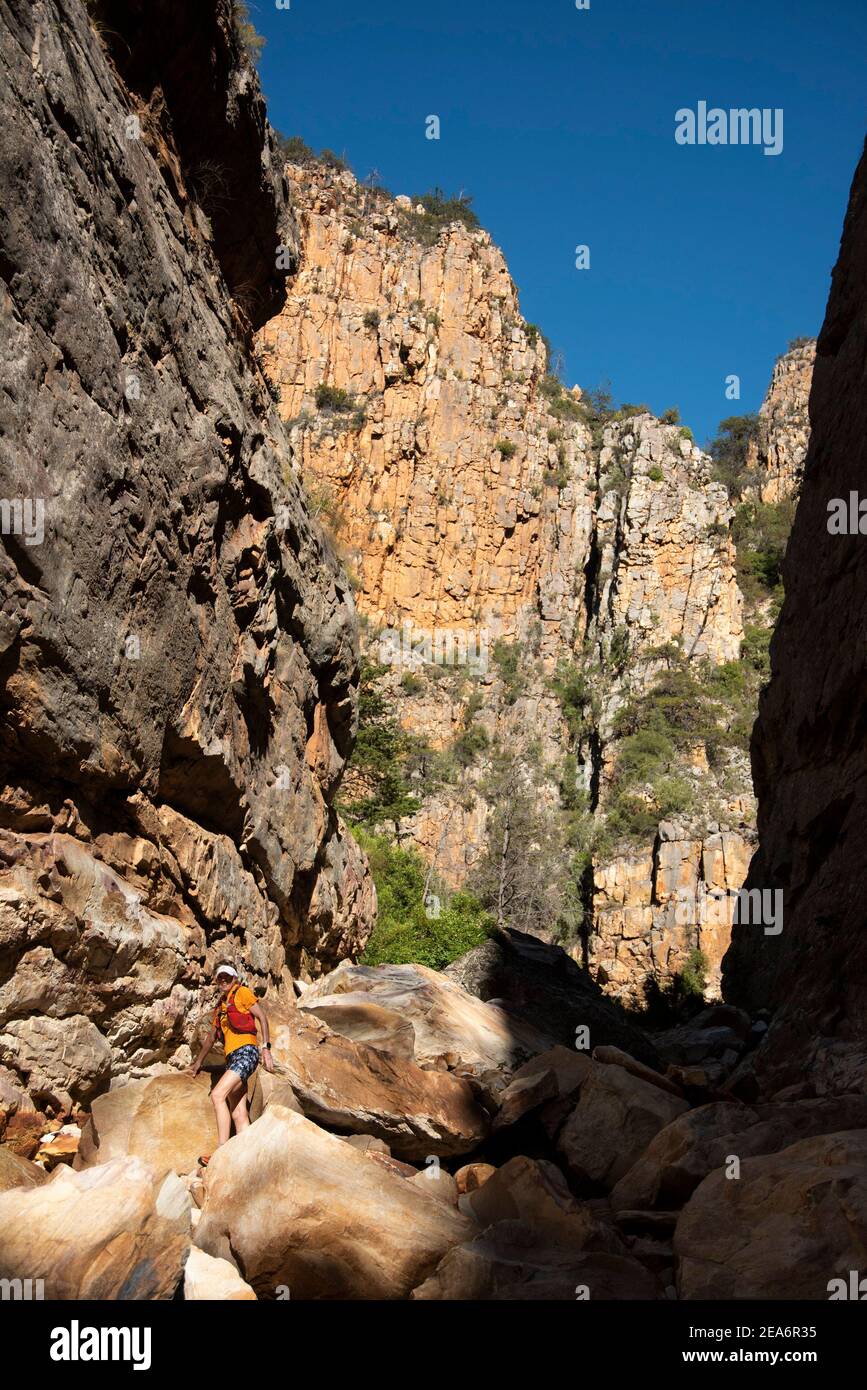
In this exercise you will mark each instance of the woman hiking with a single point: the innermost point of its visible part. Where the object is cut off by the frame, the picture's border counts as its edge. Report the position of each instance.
(235, 1019)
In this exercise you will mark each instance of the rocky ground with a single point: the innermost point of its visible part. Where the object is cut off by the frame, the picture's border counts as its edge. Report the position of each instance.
(419, 1140)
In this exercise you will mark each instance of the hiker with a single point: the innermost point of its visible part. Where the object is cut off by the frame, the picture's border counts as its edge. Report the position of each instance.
(235, 1019)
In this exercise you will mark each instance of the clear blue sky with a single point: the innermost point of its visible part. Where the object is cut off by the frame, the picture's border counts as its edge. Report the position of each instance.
(705, 260)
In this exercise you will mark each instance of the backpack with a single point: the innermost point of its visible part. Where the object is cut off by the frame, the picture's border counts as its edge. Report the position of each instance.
(238, 1021)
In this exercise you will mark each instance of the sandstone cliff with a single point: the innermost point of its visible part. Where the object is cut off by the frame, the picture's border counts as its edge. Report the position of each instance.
(478, 501)
(808, 748)
(777, 455)
(179, 650)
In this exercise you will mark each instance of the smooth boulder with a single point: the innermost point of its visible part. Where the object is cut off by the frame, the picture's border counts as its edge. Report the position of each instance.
(301, 1210)
(451, 1028)
(207, 1278)
(167, 1121)
(97, 1234)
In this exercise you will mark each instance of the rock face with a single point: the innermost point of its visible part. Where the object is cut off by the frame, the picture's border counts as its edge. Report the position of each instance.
(179, 658)
(777, 456)
(651, 909)
(299, 1208)
(354, 1088)
(448, 529)
(791, 1224)
(479, 502)
(808, 749)
(94, 1235)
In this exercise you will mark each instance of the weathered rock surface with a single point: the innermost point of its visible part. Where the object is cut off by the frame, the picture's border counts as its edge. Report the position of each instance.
(299, 1208)
(615, 1119)
(207, 1278)
(678, 1158)
(349, 1086)
(167, 1121)
(777, 456)
(519, 1260)
(179, 658)
(792, 1222)
(93, 1235)
(808, 751)
(451, 1029)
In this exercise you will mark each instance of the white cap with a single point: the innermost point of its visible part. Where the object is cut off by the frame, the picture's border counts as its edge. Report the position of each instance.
(225, 970)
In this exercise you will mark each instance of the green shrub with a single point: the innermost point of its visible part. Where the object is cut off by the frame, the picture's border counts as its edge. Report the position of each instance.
(572, 688)
(507, 658)
(655, 473)
(686, 433)
(729, 452)
(506, 448)
(404, 933)
(440, 211)
(245, 30)
(693, 978)
(380, 764)
(333, 398)
(293, 148)
(371, 318)
(670, 416)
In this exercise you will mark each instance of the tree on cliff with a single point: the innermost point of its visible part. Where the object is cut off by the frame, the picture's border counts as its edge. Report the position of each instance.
(521, 873)
(376, 788)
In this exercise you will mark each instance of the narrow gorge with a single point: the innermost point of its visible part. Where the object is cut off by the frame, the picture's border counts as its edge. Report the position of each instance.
(343, 641)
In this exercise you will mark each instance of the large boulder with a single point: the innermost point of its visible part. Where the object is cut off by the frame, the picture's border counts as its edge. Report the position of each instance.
(538, 983)
(451, 1028)
(789, 1224)
(18, 1172)
(694, 1144)
(555, 1075)
(107, 1233)
(615, 1119)
(296, 1207)
(519, 1260)
(208, 1278)
(167, 1121)
(533, 1190)
(353, 1088)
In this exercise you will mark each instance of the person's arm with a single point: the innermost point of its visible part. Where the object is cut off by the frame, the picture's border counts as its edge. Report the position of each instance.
(208, 1044)
(259, 1013)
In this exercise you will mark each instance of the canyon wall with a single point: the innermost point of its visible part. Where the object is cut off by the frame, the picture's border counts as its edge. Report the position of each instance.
(478, 502)
(809, 745)
(179, 646)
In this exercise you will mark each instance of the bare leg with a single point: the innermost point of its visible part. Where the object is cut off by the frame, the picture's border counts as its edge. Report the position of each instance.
(223, 1096)
(240, 1117)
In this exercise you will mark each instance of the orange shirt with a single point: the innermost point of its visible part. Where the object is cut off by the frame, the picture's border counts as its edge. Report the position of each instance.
(244, 1001)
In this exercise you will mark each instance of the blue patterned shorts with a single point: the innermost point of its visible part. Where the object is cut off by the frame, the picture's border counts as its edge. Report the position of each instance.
(244, 1061)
